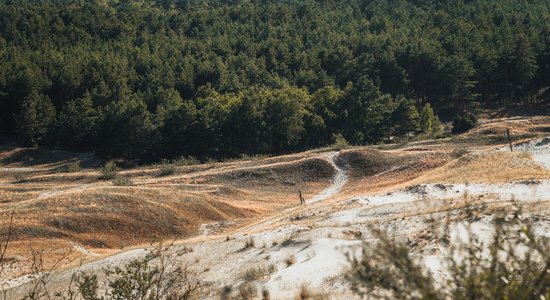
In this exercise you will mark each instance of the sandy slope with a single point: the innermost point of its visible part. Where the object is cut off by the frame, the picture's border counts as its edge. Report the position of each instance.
(338, 218)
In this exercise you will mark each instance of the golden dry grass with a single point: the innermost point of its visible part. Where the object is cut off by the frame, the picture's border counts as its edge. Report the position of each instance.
(487, 167)
(59, 208)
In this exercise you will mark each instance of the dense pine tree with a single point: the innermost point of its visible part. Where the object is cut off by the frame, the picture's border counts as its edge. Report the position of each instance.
(35, 119)
(153, 79)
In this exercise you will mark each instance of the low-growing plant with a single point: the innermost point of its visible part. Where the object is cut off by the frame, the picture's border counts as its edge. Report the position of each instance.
(265, 294)
(21, 177)
(306, 292)
(459, 152)
(247, 291)
(166, 169)
(122, 181)
(254, 274)
(87, 286)
(186, 161)
(515, 265)
(109, 171)
(154, 277)
(226, 293)
(71, 167)
(464, 122)
(5, 239)
(289, 261)
(249, 243)
(258, 272)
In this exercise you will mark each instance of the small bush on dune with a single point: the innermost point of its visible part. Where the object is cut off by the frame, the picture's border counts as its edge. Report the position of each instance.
(186, 161)
(226, 293)
(388, 271)
(166, 169)
(306, 292)
(249, 243)
(122, 181)
(459, 152)
(71, 167)
(154, 277)
(258, 272)
(289, 261)
(109, 171)
(265, 294)
(21, 177)
(248, 291)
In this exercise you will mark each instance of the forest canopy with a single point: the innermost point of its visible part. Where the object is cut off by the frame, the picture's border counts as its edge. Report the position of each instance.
(148, 80)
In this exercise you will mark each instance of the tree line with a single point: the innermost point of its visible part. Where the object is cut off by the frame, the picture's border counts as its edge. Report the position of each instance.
(147, 80)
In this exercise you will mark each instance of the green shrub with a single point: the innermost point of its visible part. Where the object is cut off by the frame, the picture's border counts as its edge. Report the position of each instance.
(88, 286)
(186, 161)
(429, 122)
(339, 142)
(516, 265)
(70, 167)
(21, 177)
(138, 279)
(122, 181)
(459, 152)
(166, 169)
(464, 122)
(109, 171)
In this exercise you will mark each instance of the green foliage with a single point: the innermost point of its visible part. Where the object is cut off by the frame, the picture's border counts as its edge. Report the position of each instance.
(407, 118)
(429, 122)
(339, 142)
(209, 78)
(464, 122)
(515, 265)
(459, 152)
(153, 277)
(284, 117)
(127, 130)
(88, 286)
(109, 171)
(167, 169)
(75, 126)
(35, 119)
(186, 161)
(122, 181)
(70, 167)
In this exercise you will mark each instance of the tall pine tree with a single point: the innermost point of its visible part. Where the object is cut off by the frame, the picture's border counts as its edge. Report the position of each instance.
(35, 119)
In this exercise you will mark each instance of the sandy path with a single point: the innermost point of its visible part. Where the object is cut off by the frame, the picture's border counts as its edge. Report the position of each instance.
(338, 181)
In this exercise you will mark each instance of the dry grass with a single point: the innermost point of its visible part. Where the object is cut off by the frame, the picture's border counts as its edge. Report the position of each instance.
(307, 293)
(367, 162)
(55, 208)
(247, 291)
(488, 167)
(258, 272)
(289, 261)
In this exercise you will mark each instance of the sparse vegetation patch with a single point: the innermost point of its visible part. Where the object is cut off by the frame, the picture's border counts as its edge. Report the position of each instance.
(109, 171)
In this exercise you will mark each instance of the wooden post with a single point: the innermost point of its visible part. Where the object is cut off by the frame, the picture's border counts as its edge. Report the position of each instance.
(509, 139)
